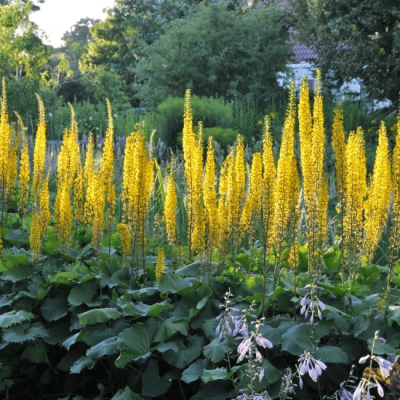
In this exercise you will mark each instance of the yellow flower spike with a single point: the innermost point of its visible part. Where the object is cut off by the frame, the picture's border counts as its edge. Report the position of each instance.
(170, 207)
(269, 177)
(5, 133)
(339, 147)
(210, 195)
(78, 190)
(123, 230)
(355, 191)
(160, 266)
(99, 199)
(24, 169)
(44, 207)
(376, 207)
(39, 152)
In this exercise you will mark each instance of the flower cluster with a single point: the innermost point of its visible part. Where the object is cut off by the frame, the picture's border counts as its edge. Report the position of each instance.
(308, 364)
(248, 347)
(311, 304)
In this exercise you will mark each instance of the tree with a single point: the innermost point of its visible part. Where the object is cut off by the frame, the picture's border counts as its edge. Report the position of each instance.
(216, 52)
(353, 39)
(22, 54)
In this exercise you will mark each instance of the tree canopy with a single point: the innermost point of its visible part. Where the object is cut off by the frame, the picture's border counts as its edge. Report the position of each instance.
(354, 39)
(216, 52)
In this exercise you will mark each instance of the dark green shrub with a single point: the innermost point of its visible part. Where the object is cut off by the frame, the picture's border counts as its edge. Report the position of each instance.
(169, 115)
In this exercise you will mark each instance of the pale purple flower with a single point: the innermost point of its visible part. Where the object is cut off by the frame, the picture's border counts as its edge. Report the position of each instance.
(308, 364)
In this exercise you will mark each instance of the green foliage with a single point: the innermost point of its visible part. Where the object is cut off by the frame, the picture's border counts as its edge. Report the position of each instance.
(169, 122)
(227, 54)
(363, 35)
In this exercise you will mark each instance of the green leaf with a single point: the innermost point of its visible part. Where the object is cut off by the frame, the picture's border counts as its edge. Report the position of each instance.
(332, 354)
(70, 341)
(18, 256)
(186, 354)
(332, 259)
(394, 315)
(216, 390)
(82, 293)
(126, 394)
(18, 273)
(271, 374)
(52, 244)
(215, 351)
(54, 308)
(17, 237)
(94, 334)
(15, 317)
(107, 347)
(136, 341)
(152, 384)
(97, 316)
(64, 277)
(23, 332)
(81, 363)
(297, 339)
(36, 353)
(143, 293)
(171, 326)
(144, 310)
(381, 348)
(275, 334)
(172, 283)
(58, 333)
(214, 374)
(194, 371)
(163, 347)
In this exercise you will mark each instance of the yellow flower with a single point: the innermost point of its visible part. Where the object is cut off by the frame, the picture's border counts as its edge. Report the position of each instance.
(160, 266)
(339, 146)
(272, 115)
(170, 207)
(123, 230)
(377, 205)
(210, 195)
(44, 207)
(260, 122)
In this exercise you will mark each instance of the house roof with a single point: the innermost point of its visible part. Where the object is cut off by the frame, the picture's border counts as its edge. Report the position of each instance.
(302, 53)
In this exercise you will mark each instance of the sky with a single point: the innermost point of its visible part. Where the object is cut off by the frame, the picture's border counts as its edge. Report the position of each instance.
(55, 17)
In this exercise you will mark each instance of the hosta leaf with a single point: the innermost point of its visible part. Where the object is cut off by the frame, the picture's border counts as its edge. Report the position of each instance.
(213, 374)
(194, 371)
(275, 334)
(82, 293)
(332, 354)
(107, 347)
(15, 317)
(172, 283)
(36, 353)
(297, 339)
(97, 316)
(186, 354)
(171, 326)
(126, 394)
(136, 341)
(381, 348)
(152, 384)
(54, 308)
(215, 351)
